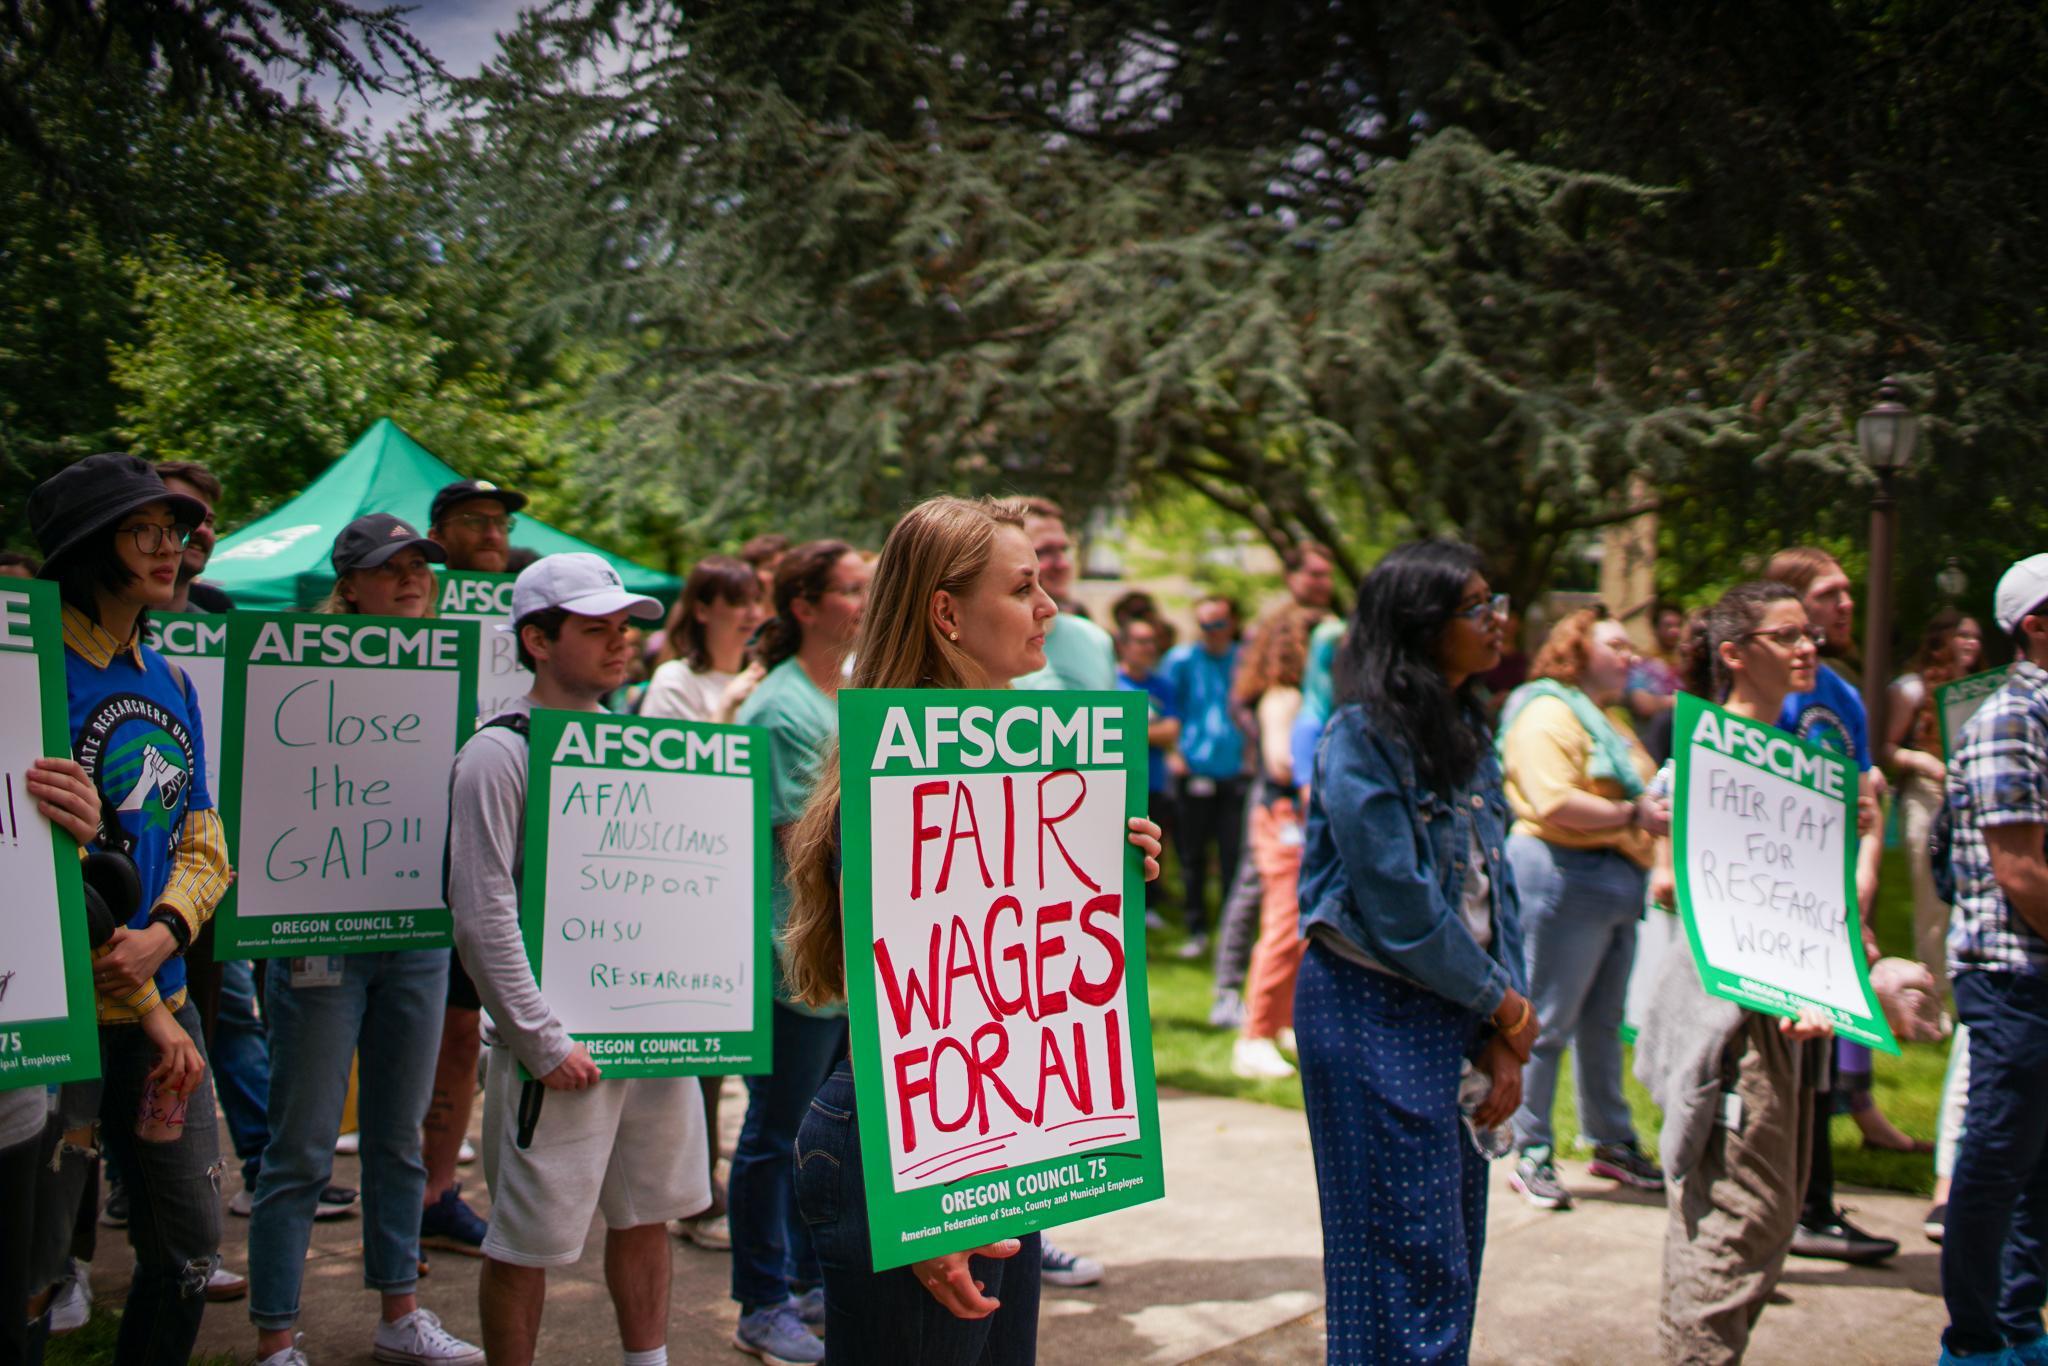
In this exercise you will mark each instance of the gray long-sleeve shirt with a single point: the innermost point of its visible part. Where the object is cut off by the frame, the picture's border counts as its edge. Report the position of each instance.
(486, 858)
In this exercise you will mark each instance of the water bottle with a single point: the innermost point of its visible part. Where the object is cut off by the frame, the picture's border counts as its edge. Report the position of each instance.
(1473, 1088)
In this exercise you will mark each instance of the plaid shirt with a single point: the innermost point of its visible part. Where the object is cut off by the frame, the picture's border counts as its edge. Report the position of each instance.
(1999, 777)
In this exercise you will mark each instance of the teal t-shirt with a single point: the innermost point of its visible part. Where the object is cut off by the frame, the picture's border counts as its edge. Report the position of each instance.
(802, 725)
(1079, 657)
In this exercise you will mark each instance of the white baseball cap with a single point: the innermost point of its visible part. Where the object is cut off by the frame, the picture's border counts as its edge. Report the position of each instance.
(580, 582)
(2021, 589)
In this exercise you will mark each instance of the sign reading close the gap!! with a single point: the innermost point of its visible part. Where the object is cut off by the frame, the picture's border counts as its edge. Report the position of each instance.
(645, 900)
(1764, 849)
(994, 914)
(339, 735)
(49, 1030)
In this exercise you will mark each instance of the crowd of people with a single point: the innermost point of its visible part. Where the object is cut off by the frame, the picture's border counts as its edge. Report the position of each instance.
(1438, 861)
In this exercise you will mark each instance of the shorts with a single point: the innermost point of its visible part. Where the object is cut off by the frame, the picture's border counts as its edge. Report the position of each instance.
(634, 1150)
(461, 991)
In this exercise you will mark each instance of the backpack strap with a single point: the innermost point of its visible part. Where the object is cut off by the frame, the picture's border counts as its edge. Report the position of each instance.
(520, 724)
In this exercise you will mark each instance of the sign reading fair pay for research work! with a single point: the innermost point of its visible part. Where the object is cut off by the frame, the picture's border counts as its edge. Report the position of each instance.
(645, 905)
(339, 734)
(48, 1029)
(1764, 848)
(995, 951)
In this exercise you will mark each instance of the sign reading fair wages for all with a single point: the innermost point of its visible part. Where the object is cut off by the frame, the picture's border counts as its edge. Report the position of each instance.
(645, 904)
(339, 733)
(1001, 1037)
(48, 1029)
(486, 599)
(198, 643)
(1955, 703)
(1764, 847)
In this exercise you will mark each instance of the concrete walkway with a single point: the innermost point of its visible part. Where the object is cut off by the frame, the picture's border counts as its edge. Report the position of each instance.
(1226, 1269)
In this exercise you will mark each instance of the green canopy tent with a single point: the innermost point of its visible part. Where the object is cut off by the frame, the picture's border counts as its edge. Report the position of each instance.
(279, 562)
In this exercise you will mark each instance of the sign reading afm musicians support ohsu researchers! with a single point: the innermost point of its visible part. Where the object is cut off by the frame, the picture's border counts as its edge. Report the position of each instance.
(1002, 1043)
(1764, 848)
(48, 1029)
(338, 738)
(645, 906)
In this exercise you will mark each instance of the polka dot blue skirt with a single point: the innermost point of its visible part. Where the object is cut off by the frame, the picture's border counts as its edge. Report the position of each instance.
(1403, 1190)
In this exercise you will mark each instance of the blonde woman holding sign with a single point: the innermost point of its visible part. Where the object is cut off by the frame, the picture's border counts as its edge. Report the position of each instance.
(1738, 1114)
(324, 1011)
(955, 603)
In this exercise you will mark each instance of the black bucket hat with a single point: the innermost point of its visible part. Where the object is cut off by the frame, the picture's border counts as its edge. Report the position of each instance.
(368, 541)
(93, 494)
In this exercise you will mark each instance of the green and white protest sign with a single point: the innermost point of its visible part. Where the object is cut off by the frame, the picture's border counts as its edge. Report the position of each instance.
(49, 1029)
(1955, 703)
(995, 947)
(338, 736)
(197, 642)
(1764, 841)
(486, 599)
(645, 898)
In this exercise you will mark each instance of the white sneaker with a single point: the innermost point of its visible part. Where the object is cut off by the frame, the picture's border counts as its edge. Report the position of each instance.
(244, 1203)
(349, 1144)
(1258, 1060)
(1287, 1041)
(418, 1339)
(465, 1155)
(290, 1356)
(73, 1303)
(224, 1285)
(712, 1234)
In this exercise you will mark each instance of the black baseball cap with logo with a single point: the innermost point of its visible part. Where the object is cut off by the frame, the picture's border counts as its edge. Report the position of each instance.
(462, 490)
(369, 541)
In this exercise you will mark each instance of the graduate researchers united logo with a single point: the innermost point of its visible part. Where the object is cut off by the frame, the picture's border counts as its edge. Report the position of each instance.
(140, 758)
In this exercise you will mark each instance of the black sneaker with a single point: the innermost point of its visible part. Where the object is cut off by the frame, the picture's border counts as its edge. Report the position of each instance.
(1535, 1176)
(1838, 1240)
(1936, 1222)
(1624, 1162)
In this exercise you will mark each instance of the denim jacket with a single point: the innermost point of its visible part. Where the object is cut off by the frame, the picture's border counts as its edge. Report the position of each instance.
(1387, 870)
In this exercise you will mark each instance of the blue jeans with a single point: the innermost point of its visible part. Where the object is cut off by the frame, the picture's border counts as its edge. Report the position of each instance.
(771, 1248)
(1991, 1269)
(874, 1316)
(1580, 908)
(173, 1199)
(1402, 1188)
(241, 1066)
(387, 1007)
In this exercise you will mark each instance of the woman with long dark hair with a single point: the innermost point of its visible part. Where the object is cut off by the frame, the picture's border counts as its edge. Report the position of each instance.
(1414, 964)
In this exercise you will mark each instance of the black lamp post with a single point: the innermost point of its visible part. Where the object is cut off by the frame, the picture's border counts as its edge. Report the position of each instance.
(1886, 436)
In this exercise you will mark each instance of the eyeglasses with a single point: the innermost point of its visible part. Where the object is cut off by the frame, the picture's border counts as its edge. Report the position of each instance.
(1053, 550)
(399, 567)
(1214, 624)
(150, 537)
(482, 522)
(1495, 607)
(1788, 637)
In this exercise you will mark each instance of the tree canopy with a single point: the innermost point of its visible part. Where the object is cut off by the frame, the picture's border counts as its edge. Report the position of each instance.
(1511, 270)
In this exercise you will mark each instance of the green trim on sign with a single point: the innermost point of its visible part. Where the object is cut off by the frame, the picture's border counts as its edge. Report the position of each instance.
(334, 649)
(44, 1052)
(994, 1198)
(1817, 771)
(652, 880)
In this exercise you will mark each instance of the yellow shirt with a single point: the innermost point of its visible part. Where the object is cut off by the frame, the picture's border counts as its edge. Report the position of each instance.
(1547, 751)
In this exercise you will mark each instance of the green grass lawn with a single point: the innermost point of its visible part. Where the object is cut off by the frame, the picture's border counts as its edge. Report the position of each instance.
(1194, 1057)
(93, 1345)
